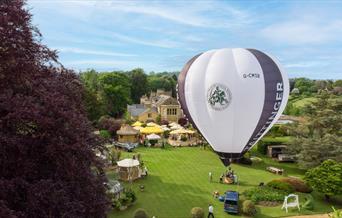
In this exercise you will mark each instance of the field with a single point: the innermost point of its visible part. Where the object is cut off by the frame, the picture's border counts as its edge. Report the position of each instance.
(178, 180)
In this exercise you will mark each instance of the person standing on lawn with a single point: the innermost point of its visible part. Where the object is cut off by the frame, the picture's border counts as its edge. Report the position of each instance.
(210, 177)
(211, 211)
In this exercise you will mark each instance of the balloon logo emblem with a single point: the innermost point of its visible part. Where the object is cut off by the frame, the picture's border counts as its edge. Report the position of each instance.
(219, 97)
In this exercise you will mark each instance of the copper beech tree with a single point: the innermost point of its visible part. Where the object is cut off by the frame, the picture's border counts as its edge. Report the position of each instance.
(47, 164)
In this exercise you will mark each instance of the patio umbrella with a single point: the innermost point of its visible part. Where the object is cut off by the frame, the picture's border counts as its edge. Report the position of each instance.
(137, 123)
(153, 137)
(128, 163)
(151, 129)
(151, 124)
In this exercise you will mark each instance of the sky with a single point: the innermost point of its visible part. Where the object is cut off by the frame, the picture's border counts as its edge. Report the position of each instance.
(305, 36)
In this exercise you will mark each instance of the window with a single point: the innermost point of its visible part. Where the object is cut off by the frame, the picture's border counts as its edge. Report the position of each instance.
(171, 111)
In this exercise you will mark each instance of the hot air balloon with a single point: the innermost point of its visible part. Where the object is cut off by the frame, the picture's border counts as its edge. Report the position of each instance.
(233, 97)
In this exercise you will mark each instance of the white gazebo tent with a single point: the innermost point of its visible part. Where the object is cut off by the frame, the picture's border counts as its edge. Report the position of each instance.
(128, 169)
(153, 137)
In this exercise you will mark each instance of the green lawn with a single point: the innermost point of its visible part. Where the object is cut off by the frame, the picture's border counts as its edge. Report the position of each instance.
(178, 180)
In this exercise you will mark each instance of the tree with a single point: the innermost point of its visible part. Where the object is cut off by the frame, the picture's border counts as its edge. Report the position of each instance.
(326, 178)
(115, 92)
(48, 167)
(305, 85)
(139, 84)
(320, 137)
(93, 104)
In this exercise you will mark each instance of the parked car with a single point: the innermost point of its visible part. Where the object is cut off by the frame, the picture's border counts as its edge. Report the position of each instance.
(127, 146)
(231, 202)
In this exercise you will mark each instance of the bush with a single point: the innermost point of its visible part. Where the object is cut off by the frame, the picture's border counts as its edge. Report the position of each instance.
(281, 185)
(105, 134)
(182, 121)
(110, 124)
(248, 208)
(164, 122)
(264, 193)
(309, 203)
(131, 195)
(140, 213)
(197, 212)
(298, 184)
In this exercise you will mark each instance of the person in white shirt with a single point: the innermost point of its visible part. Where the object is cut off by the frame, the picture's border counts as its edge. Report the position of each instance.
(210, 177)
(211, 211)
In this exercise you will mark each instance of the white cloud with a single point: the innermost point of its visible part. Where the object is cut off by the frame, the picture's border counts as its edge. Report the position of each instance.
(92, 52)
(311, 31)
(306, 64)
(163, 43)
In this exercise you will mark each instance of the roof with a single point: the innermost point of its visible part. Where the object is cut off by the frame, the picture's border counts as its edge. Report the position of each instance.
(232, 196)
(128, 163)
(127, 130)
(136, 109)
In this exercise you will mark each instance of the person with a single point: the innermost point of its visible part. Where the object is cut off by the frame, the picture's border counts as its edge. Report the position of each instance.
(211, 211)
(210, 177)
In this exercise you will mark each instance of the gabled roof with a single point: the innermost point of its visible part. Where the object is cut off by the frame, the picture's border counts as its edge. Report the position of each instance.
(136, 109)
(127, 130)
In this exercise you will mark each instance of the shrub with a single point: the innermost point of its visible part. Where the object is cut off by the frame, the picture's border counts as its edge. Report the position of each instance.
(281, 185)
(182, 121)
(105, 134)
(336, 213)
(140, 213)
(309, 203)
(197, 212)
(264, 193)
(110, 124)
(164, 122)
(131, 195)
(298, 184)
(248, 208)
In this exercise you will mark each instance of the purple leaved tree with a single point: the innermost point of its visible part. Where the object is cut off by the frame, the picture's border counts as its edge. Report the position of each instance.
(47, 164)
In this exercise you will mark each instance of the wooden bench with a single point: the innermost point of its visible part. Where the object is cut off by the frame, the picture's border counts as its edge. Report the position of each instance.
(275, 170)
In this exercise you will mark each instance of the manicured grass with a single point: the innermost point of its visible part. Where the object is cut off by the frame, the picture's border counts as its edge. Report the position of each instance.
(178, 181)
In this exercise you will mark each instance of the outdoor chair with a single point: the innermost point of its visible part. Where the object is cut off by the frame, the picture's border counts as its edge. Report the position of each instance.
(294, 203)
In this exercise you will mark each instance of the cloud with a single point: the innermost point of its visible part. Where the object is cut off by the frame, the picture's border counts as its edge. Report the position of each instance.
(306, 64)
(163, 43)
(310, 31)
(92, 52)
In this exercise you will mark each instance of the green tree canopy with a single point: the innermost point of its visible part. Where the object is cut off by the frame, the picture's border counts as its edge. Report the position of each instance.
(115, 92)
(320, 137)
(139, 84)
(326, 178)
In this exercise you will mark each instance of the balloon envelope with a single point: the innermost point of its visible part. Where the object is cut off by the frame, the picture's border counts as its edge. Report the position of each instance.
(233, 97)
